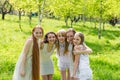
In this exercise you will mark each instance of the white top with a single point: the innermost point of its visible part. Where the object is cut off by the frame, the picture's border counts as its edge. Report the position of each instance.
(46, 63)
(60, 54)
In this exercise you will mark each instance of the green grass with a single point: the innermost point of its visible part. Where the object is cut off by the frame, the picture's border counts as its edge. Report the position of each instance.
(104, 60)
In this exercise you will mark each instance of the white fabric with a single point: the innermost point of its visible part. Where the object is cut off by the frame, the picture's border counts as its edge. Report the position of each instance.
(84, 71)
(28, 67)
(63, 59)
(46, 63)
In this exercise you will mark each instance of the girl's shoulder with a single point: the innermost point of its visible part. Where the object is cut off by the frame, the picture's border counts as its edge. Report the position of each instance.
(29, 41)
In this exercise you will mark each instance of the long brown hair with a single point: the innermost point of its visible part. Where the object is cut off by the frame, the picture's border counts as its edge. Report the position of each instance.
(81, 35)
(35, 56)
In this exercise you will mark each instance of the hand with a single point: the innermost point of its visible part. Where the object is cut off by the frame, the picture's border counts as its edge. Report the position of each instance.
(22, 72)
(72, 78)
(77, 52)
(77, 47)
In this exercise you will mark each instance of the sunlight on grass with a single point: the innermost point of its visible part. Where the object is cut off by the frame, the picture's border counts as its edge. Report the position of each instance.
(104, 60)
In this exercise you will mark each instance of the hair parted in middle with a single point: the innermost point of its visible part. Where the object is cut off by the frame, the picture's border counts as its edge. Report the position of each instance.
(35, 55)
(63, 33)
(46, 36)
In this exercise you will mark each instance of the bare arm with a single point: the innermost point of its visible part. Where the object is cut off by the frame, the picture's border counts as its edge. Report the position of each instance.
(41, 45)
(76, 63)
(25, 52)
(85, 50)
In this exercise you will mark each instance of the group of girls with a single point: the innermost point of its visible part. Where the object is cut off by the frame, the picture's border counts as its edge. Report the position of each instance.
(71, 52)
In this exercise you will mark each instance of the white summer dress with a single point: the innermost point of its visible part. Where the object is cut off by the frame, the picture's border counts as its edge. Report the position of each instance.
(84, 71)
(63, 59)
(28, 66)
(71, 58)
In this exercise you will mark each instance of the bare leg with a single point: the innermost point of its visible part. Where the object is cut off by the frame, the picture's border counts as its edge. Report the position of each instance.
(68, 75)
(50, 76)
(76, 78)
(44, 77)
(63, 75)
(71, 78)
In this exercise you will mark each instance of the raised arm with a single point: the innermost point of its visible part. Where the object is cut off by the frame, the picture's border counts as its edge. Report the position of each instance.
(41, 45)
(85, 50)
(25, 52)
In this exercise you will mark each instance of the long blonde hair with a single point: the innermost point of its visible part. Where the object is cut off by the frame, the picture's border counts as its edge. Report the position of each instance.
(63, 33)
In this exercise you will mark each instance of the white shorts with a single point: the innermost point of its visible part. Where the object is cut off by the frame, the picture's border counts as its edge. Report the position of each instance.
(63, 65)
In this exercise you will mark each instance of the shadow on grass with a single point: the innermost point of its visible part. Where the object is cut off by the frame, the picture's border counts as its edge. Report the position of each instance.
(96, 47)
(24, 32)
(63, 27)
(108, 34)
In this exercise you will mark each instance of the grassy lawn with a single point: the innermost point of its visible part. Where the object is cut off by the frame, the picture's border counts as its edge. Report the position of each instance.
(104, 60)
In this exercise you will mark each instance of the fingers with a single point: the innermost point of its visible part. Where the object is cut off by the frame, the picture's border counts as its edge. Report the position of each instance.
(22, 73)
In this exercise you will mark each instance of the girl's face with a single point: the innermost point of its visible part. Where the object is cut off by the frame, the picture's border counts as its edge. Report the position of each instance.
(38, 33)
(76, 40)
(70, 37)
(51, 38)
(61, 38)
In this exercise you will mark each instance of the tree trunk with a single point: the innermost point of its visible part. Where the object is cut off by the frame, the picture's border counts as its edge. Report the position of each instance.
(103, 26)
(83, 20)
(30, 17)
(95, 24)
(66, 21)
(41, 12)
(71, 23)
(71, 19)
(3, 15)
(100, 21)
(20, 19)
(99, 31)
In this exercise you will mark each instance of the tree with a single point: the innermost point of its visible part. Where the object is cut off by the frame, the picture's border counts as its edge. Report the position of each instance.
(40, 12)
(67, 9)
(5, 7)
(30, 6)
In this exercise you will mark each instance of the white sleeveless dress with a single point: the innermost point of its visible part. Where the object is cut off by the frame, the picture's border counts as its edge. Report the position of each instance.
(46, 63)
(71, 59)
(63, 59)
(28, 67)
(84, 71)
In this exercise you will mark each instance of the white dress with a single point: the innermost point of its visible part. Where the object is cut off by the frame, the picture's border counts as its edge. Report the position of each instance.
(84, 71)
(71, 58)
(28, 67)
(46, 63)
(63, 59)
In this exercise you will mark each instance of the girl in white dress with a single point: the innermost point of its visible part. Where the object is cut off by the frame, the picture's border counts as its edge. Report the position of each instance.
(82, 70)
(70, 36)
(46, 51)
(27, 66)
(62, 54)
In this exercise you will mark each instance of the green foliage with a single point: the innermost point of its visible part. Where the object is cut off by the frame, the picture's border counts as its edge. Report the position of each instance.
(104, 60)
(26, 5)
